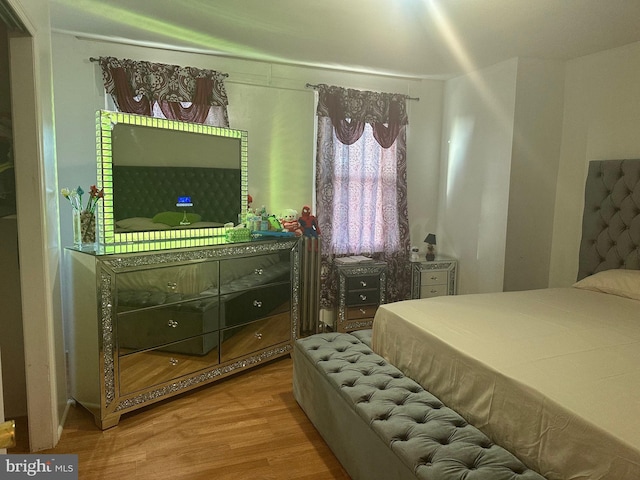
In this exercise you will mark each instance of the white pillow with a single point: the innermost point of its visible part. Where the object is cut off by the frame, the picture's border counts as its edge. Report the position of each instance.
(621, 282)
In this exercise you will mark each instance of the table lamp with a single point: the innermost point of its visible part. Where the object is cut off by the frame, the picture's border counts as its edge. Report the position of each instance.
(431, 246)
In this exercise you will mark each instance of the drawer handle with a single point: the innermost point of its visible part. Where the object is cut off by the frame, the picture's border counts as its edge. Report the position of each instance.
(363, 297)
(363, 283)
(173, 361)
(434, 278)
(259, 336)
(258, 271)
(257, 303)
(363, 311)
(433, 291)
(172, 323)
(172, 285)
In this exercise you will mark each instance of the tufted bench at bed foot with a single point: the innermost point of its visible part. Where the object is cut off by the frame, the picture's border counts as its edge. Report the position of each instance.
(383, 425)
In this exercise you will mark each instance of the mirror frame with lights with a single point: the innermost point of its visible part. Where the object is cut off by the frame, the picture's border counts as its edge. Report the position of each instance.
(111, 241)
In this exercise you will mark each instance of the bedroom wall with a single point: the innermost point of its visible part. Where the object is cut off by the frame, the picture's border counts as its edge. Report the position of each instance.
(594, 114)
(474, 181)
(500, 155)
(601, 121)
(270, 101)
(534, 169)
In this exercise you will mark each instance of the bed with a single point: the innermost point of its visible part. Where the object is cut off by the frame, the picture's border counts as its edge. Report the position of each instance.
(552, 375)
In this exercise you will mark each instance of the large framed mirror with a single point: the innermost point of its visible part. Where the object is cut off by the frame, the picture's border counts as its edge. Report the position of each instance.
(167, 184)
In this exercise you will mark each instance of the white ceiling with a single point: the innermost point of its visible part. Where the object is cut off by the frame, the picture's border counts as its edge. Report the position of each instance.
(413, 38)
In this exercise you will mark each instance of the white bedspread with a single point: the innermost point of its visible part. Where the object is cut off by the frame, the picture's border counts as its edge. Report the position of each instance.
(552, 375)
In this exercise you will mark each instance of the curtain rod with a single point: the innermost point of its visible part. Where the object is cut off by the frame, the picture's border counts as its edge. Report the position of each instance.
(315, 87)
(94, 59)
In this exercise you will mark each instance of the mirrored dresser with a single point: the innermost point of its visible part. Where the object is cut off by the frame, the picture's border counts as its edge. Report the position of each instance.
(147, 326)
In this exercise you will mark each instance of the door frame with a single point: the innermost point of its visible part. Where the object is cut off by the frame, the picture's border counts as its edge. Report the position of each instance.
(38, 227)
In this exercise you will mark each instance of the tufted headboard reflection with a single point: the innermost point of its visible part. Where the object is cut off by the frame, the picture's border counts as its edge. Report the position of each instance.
(611, 218)
(146, 191)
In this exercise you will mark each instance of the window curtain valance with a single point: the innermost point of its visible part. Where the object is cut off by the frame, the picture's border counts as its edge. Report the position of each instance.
(139, 87)
(349, 111)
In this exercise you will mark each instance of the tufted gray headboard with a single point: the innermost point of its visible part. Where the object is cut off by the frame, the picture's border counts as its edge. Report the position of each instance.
(611, 218)
(146, 191)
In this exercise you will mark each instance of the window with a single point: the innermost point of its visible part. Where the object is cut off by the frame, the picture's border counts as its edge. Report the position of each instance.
(361, 184)
(365, 203)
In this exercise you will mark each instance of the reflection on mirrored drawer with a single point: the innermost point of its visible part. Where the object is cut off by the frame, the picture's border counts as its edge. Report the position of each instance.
(361, 282)
(152, 327)
(363, 311)
(427, 291)
(152, 367)
(363, 297)
(255, 336)
(435, 277)
(185, 280)
(245, 273)
(245, 307)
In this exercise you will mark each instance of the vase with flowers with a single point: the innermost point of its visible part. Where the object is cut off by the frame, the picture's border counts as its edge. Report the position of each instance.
(84, 220)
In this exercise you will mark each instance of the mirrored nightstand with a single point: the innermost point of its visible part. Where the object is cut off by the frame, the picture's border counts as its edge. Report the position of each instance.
(433, 278)
(361, 289)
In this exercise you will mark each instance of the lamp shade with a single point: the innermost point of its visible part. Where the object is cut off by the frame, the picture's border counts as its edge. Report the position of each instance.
(431, 238)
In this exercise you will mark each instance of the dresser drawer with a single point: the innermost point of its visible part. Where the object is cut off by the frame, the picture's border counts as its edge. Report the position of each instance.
(251, 305)
(364, 311)
(239, 341)
(363, 282)
(163, 285)
(240, 274)
(427, 291)
(152, 327)
(362, 297)
(436, 277)
(141, 370)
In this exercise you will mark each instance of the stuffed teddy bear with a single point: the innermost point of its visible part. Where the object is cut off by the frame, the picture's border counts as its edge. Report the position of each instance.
(308, 223)
(289, 221)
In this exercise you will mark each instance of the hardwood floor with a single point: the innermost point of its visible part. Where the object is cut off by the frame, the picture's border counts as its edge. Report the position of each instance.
(248, 426)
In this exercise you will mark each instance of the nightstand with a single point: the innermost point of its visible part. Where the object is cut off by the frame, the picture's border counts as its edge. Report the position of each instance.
(361, 289)
(433, 278)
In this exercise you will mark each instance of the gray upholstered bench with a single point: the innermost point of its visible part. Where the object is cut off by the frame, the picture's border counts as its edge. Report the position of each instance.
(383, 425)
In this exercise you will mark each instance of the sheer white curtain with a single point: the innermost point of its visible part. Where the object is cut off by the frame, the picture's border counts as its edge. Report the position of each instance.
(365, 207)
